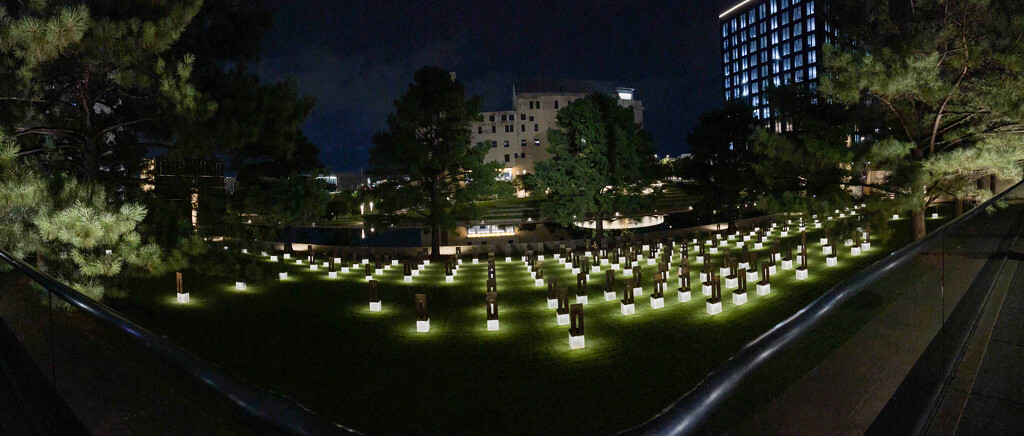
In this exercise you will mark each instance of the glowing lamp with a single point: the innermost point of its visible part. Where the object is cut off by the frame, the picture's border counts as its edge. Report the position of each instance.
(562, 318)
(240, 286)
(576, 342)
(739, 299)
(801, 273)
(764, 289)
(751, 275)
(423, 326)
(657, 302)
(492, 325)
(627, 308)
(683, 295)
(282, 276)
(714, 308)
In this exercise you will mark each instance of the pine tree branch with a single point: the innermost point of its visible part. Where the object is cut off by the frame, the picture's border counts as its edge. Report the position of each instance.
(50, 131)
(124, 124)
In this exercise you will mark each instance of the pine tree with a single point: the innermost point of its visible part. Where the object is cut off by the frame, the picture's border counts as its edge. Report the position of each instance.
(81, 84)
(947, 76)
(70, 229)
(602, 164)
(721, 162)
(432, 175)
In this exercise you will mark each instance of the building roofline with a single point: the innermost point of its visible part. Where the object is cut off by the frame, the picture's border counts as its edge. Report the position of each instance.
(737, 6)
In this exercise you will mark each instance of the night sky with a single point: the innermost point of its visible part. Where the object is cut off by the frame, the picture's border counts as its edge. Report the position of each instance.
(356, 57)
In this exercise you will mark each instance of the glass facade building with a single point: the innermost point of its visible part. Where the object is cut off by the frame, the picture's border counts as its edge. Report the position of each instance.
(768, 43)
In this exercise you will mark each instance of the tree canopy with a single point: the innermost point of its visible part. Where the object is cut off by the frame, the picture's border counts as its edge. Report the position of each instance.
(84, 86)
(721, 162)
(430, 173)
(71, 229)
(602, 163)
(946, 78)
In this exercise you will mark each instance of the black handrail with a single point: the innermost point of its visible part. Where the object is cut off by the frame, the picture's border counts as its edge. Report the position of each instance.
(688, 413)
(264, 407)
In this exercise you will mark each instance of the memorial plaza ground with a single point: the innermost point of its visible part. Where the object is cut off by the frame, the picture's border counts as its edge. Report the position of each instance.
(315, 340)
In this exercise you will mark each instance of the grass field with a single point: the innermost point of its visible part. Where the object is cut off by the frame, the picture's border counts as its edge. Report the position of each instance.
(313, 339)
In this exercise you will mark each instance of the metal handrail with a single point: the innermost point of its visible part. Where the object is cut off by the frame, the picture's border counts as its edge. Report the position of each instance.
(693, 409)
(264, 407)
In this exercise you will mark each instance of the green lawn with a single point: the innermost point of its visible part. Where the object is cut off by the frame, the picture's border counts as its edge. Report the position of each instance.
(313, 339)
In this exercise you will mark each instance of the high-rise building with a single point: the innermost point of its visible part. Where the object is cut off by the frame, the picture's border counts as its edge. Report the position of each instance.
(768, 43)
(519, 138)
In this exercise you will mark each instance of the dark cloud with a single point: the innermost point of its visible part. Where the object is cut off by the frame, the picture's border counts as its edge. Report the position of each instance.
(355, 58)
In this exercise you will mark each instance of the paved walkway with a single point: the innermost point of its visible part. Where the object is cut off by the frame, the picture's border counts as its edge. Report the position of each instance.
(987, 393)
(847, 391)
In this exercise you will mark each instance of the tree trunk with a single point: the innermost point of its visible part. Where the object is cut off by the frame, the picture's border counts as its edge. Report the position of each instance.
(599, 228)
(435, 243)
(917, 220)
(958, 206)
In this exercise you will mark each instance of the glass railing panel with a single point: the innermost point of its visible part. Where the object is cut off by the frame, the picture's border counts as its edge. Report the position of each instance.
(115, 386)
(27, 347)
(878, 360)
